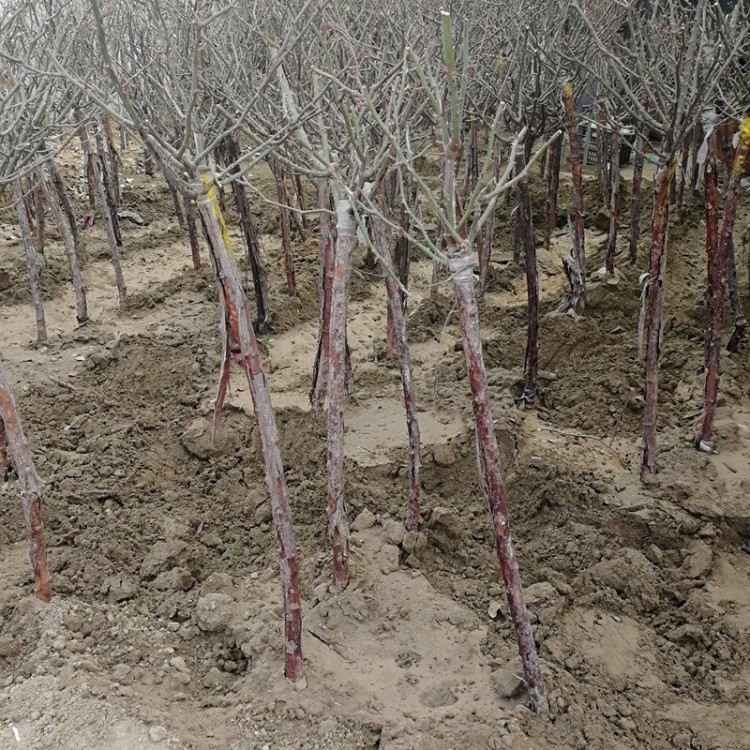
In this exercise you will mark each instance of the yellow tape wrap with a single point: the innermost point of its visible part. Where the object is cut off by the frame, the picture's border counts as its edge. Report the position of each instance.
(211, 195)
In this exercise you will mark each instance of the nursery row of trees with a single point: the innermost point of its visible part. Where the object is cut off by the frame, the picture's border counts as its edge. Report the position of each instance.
(351, 96)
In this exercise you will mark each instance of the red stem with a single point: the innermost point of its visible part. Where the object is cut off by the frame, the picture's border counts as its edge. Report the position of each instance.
(30, 492)
(381, 236)
(237, 321)
(655, 314)
(286, 229)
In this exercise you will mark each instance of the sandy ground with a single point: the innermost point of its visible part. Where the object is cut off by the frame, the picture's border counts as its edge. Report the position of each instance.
(165, 626)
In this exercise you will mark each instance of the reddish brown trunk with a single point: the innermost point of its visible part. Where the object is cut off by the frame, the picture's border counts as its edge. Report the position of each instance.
(111, 237)
(70, 250)
(325, 282)
(31, 264)
(192, 231)
(30, 492)
(114, 159)
(714, 298)
(38, 191)
(62, 196)
(655, 314)
(525, 225)
(252, 247)
(554, 158)
(285, 226)
(110, 205)
(727, 232)
(460, 264)
(614, 198)
(237, 322)
(575, 263)
(176, 200)
(338, 532)
(4, 466)
(381, 237)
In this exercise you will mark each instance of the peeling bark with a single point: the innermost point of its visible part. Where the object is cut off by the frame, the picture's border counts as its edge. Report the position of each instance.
(655, 314)
(382, 239)
(30, 492)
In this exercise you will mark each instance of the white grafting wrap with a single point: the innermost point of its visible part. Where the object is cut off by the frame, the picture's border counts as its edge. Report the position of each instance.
(461, 268)
(344, 219)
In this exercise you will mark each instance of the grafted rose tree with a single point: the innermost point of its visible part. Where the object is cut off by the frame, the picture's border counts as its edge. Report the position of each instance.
(443, 80)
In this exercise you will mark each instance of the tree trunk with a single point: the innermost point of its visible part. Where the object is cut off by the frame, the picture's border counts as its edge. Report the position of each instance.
(113, 160)
(554, 157)
(655, 313)
(31, 264)
(110, 206)
(614, 197)
(236, 320)
(30, 492)
(192, 231)
(382, 238)
(89, 161)
(338, 532)
(62, 196)
(714, 298)
(70, 250)
(460, 264)
(111, 237)
(176, 201)
(4, 466)
(252, 248)
(575, 263)
(38, 192)
(285, 226)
